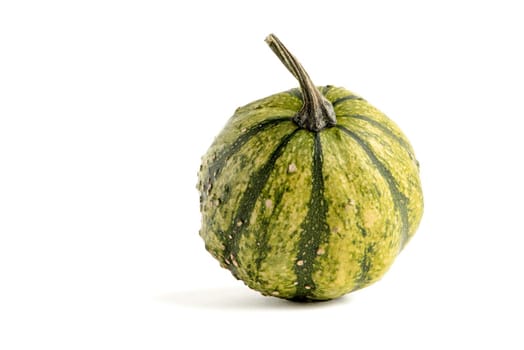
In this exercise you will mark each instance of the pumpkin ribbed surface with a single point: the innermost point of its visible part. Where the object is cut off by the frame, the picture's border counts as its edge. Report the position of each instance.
(308, 215)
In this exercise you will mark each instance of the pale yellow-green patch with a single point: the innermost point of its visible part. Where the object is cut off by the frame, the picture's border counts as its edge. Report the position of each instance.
(370, 216)
(282, 100)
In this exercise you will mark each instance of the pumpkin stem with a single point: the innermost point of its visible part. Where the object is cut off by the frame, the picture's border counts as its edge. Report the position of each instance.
(317, 112)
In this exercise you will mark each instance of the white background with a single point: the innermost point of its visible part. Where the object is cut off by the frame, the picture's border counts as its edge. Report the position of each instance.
(107, 106)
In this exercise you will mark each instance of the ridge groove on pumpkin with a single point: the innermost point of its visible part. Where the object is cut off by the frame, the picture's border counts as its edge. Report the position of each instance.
(382, 128)
(315, 227)
(399, 199)
(346, 98)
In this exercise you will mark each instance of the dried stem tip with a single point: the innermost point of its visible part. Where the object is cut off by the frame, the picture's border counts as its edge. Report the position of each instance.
(317, 112)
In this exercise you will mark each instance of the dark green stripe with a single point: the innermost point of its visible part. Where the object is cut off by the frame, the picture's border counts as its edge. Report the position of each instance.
(365, 266)
(219, 162)
(315, 229)
(399, 199)
(263, 236)
(240, 222)
(346, 98)
(380, 126)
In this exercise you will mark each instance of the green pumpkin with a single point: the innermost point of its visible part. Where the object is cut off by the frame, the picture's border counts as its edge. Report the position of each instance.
(308, 194)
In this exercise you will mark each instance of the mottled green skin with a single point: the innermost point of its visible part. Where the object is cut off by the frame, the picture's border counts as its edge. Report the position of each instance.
(304, 215)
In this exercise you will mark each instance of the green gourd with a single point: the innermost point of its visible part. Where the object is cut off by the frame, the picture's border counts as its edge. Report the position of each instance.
(310, 193)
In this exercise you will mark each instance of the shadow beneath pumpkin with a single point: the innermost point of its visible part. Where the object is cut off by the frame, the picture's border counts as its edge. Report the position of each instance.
(239, 299)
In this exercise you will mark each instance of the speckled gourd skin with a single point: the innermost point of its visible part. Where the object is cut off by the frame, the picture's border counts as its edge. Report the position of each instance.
(309, 215)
